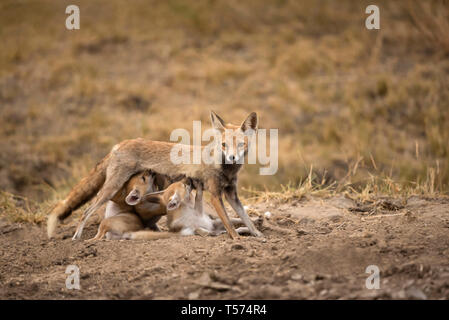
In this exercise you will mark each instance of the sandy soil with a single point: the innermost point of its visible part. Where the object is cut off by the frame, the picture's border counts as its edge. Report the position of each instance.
(314, 249)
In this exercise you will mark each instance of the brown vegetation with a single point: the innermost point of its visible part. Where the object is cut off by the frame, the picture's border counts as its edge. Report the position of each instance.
(368, 110)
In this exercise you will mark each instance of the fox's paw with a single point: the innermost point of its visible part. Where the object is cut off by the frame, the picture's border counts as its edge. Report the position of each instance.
(258, 234)
(258, 222)
(76, 237)
(201, 232)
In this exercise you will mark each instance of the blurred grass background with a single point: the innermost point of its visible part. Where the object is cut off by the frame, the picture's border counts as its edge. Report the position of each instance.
(367, 109)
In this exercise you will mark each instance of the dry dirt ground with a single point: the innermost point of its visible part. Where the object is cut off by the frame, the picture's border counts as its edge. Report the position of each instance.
(313, 249)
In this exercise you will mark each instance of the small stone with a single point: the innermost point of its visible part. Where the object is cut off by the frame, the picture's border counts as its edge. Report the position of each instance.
(204, 280)
(193, 295)
(323, 292)
(296, 276)
(267, 214)
(270, 292)
(148, 293)
(415, 294)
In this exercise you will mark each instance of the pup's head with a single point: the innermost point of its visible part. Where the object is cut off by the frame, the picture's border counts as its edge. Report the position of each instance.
(139, 185)
(234, 140)
(172, 197)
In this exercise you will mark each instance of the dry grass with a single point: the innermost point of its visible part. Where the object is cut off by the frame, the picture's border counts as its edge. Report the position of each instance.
(373, 188)
(432, 19)
(20, 209)
(367, 109)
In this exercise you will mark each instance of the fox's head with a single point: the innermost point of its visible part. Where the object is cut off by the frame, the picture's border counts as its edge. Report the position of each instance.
(173, 196)
(234, 140)
(139, 185)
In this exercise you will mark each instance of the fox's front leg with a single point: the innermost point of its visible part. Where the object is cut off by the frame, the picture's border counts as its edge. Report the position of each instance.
(234, 201)
(217, 202)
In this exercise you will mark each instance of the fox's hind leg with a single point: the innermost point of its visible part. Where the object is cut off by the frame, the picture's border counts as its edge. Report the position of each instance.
(115, 179)
(86, 215)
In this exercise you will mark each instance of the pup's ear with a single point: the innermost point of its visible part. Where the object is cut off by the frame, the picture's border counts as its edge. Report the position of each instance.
(217, 122)
(250, 122)
(133, 198)
(156, 193)
(173, 204)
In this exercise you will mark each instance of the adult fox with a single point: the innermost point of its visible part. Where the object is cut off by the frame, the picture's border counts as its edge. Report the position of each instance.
(131, 156)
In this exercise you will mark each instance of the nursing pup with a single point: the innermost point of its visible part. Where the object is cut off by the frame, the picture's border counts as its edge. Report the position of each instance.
(183, 217)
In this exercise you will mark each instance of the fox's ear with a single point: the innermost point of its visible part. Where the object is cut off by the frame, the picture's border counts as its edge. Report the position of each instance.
(250, 122)
(155, 197)
(133, 198)
(217, 122)
(156, 193)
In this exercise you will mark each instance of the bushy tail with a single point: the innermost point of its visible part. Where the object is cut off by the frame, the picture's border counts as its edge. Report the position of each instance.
(80, 194)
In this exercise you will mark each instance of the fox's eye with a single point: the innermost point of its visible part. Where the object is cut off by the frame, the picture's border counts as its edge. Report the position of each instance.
(224, 145)
(241, 145)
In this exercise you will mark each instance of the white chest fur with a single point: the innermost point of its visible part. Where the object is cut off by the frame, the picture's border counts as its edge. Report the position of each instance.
(112, 209)
(192, 220)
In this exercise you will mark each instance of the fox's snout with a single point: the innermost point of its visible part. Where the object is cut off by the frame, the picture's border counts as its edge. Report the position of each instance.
(234, 155)
(231, 158)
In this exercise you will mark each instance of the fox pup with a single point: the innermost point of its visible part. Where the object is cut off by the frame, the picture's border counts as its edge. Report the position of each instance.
(123, 224)
(182, 218)
(127, 204)
(131, 156)
(124, 202)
